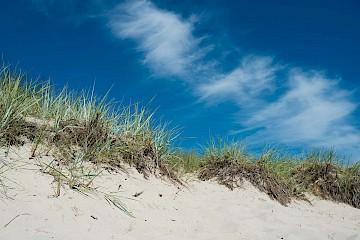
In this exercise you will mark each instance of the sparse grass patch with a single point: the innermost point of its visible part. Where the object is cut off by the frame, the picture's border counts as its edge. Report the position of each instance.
(184, 162)
(230, 165)
(322, 174)
(282, 176)
(70, 166)
(106, 133)
(114, 200)
(16, 102)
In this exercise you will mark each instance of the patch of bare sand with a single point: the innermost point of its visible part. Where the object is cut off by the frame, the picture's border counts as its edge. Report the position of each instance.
(161, 210)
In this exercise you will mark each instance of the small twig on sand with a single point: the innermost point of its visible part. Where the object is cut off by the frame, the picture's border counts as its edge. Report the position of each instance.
(15, 218)
(58, 187)
(138, 193)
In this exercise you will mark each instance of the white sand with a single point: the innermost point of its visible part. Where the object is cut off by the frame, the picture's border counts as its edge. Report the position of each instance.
(203, 210)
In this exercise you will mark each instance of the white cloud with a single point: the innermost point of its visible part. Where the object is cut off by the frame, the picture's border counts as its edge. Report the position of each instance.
(165, 38)
(245, 84)
(314, 111)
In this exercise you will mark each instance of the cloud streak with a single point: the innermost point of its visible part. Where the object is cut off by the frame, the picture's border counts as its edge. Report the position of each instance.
(313, 110)
(254, 77)
(165, 38)
(277, 103)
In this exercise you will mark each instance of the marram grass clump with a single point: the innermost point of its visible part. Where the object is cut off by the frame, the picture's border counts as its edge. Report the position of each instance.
(230, 165)
(280, 176)
(80, 129)
(323, 175)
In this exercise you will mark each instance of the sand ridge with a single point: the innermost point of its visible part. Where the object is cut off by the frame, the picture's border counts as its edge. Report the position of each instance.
(160, 209)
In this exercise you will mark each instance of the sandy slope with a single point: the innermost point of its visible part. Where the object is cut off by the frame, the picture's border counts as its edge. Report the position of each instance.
(202, 210)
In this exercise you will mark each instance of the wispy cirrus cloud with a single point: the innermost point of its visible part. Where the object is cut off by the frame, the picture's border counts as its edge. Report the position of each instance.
(314, 111)
(277, 103)
(165, 38)
(254, 77)
(171, 49)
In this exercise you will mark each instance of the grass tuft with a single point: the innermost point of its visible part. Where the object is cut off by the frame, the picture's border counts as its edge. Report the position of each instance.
(283, 177)
(322, 174)
(230, 165)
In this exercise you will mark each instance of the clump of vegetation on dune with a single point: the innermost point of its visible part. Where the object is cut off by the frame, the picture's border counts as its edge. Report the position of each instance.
(322, 173)
(230, 166)
(281, 176)
(82, 131)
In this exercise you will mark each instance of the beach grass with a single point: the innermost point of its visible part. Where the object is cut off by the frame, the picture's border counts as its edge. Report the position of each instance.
(86, 134)
(282, 176)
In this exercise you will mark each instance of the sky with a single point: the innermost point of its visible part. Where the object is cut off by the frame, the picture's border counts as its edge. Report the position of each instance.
(277, 72)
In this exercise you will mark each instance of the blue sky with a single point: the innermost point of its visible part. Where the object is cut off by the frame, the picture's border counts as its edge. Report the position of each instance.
(279, 72)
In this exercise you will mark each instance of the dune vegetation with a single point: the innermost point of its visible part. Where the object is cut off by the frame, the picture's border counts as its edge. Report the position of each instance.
(86, 134)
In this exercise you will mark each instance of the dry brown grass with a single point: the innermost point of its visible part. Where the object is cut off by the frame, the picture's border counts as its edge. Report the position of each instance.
(330, 182)
(232, 174)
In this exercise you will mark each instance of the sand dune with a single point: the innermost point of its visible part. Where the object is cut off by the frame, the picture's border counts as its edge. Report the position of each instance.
(160, 210)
